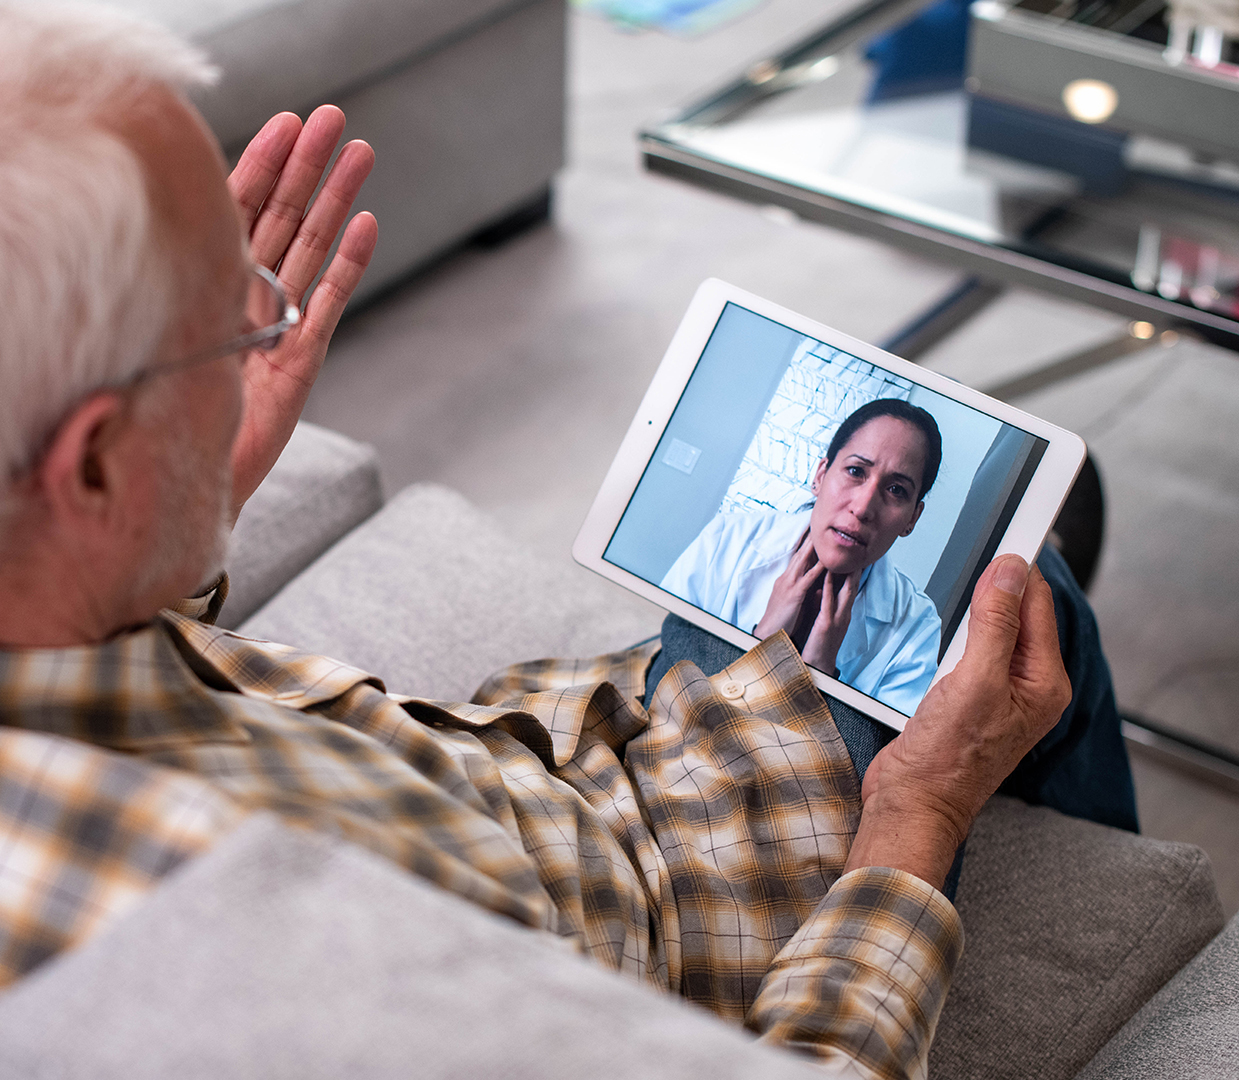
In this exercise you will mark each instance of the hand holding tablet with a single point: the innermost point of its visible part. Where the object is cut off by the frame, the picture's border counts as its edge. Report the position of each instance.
(780, 475)
(923, 791)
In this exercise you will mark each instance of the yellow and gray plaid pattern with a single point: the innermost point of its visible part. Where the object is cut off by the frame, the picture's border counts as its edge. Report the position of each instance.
(84, 834)
(696, 846)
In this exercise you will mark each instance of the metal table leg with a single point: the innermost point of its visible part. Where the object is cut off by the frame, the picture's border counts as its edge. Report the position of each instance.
(967, 299)
(1136, 338)
(973, 295)
(1202, 759)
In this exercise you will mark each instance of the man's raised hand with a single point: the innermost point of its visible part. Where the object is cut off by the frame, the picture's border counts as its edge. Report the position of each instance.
(923, 791)
(272, 184)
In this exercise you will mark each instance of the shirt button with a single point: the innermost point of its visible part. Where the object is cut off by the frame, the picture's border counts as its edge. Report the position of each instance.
(732, 690)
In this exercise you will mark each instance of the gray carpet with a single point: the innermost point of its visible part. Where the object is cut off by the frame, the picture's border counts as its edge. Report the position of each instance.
(512, 376)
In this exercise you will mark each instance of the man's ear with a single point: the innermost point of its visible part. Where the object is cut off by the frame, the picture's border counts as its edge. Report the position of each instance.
(78, 474)
(916, 516)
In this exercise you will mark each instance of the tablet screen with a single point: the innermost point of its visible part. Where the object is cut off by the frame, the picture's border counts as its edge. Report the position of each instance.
(791, 471)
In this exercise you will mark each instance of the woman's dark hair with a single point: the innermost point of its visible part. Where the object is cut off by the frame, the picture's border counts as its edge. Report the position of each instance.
(900, 410)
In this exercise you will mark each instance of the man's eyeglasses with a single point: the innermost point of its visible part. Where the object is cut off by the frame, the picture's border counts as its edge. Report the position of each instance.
(266, 307)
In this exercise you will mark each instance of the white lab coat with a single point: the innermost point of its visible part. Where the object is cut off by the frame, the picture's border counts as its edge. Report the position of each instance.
(890, 651)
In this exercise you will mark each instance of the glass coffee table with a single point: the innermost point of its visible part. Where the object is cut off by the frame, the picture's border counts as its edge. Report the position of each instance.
(802, 131)
(799, 131)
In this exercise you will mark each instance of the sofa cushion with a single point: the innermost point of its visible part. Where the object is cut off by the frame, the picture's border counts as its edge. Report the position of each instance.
(294, 54)
(1190, 1029)
(285, 954)
(1069, 928)
(323, 485)
(433, 596)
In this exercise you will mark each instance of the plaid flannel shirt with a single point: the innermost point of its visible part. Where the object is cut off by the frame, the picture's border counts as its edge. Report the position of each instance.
(696, 846)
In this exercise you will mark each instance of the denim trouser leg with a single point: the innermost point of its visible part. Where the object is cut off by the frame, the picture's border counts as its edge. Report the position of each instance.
(1080, 767)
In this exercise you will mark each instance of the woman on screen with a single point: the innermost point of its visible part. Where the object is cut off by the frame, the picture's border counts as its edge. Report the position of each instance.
(821, 573)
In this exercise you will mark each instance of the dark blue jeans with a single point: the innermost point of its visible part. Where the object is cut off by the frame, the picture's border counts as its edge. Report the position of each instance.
(1079, 768)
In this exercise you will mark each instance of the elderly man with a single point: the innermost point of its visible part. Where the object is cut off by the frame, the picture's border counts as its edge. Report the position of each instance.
(153, 367)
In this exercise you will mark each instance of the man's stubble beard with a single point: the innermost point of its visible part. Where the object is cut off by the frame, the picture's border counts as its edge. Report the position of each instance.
(221, 535)
(195, 522)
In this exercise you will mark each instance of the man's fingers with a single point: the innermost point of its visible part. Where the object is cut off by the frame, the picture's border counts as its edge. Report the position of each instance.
(342, 277)
(285, 205)
(318, 230)
(1036, 610)
(251, 181)
(1038, 659)
(994, 619)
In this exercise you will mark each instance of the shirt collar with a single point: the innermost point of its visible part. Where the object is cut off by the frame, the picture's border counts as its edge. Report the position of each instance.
(135, 692)
(879, 588)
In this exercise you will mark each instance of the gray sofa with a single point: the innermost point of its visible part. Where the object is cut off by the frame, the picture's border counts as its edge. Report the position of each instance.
(463, 101)
(284, 954)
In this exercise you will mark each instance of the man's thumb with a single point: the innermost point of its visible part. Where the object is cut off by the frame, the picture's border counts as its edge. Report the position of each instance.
(994, 623)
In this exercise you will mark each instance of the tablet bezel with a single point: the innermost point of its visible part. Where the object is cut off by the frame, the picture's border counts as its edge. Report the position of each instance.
(1033, 517)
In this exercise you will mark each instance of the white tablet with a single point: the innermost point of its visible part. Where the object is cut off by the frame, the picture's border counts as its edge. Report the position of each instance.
(780, 474)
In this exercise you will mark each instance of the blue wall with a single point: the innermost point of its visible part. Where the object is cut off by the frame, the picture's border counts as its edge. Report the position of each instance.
(718, 414)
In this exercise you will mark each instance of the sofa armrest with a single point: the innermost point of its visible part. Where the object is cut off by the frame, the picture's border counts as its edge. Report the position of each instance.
(323, 486)
(1191, 1028)
(281, 954)
(1070, 927)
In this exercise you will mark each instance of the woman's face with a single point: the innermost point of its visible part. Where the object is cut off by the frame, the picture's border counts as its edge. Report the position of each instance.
(869, 495)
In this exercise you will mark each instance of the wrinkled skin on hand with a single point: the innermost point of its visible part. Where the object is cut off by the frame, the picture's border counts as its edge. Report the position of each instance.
(923, 791)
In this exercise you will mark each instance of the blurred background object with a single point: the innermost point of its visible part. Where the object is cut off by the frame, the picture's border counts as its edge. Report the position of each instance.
(674, 16)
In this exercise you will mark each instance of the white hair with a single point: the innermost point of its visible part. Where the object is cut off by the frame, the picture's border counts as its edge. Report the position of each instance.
(84, 275)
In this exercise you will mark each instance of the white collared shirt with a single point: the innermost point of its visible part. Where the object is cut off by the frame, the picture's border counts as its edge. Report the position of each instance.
(890, 651)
